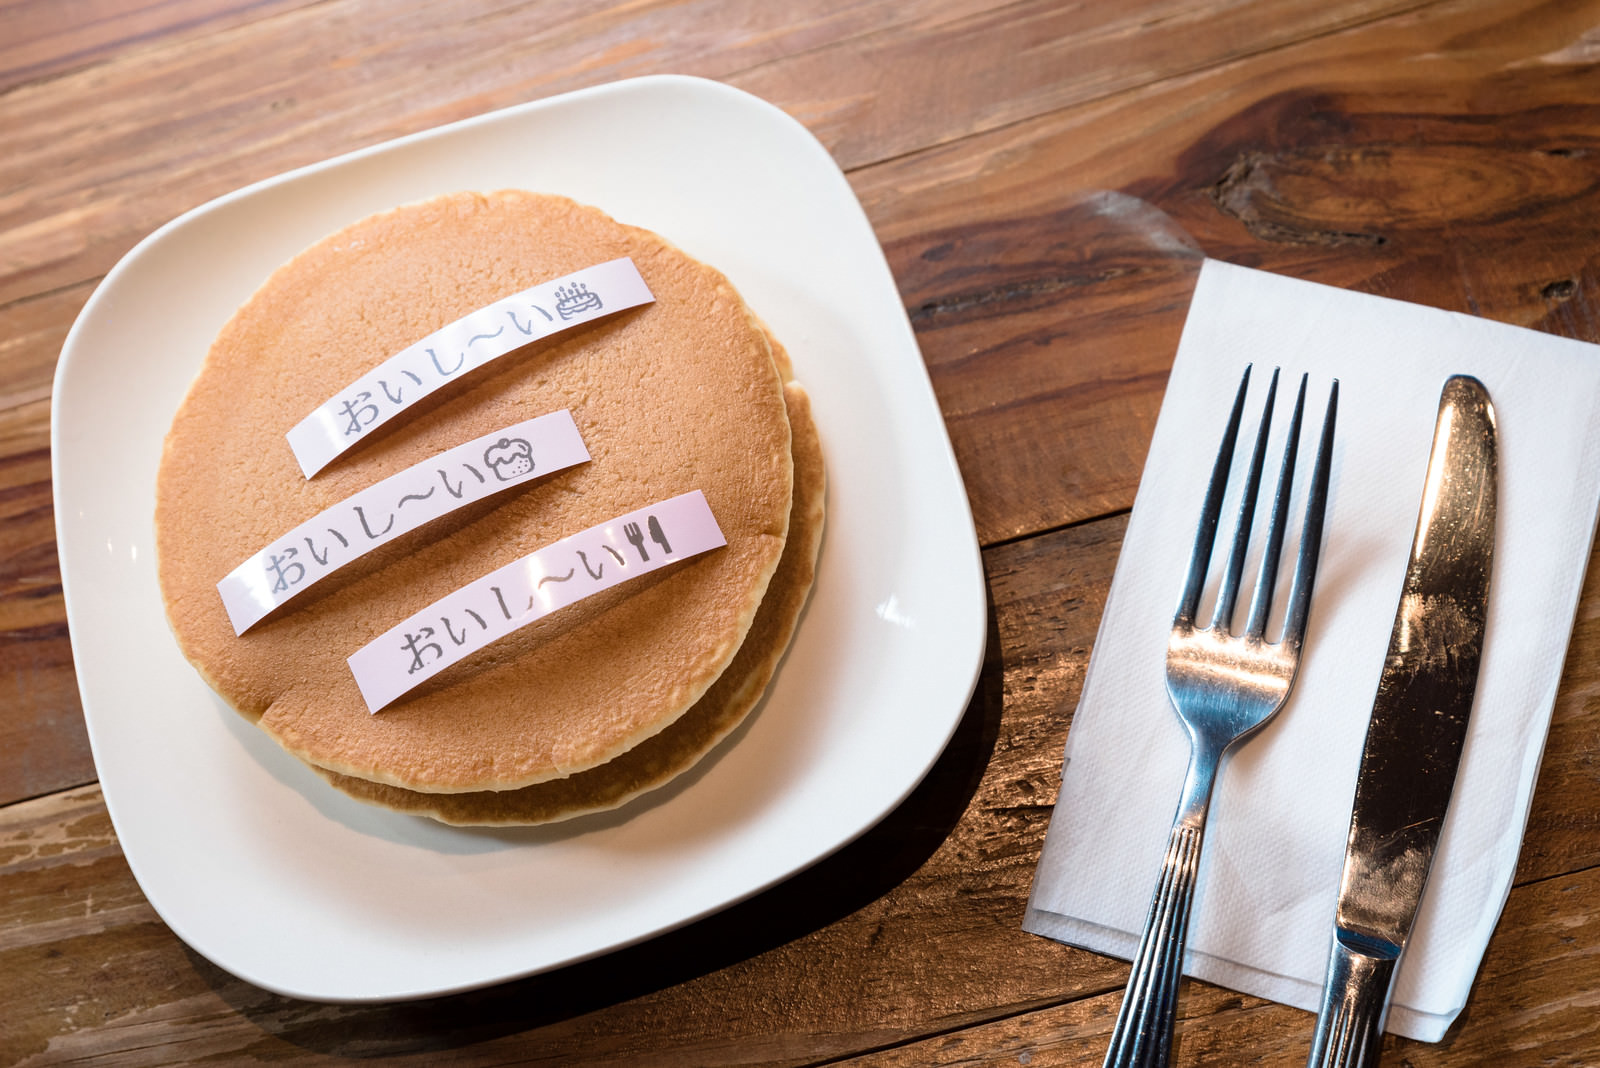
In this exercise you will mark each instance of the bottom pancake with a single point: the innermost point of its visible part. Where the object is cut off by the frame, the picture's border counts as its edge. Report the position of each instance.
(667, 754)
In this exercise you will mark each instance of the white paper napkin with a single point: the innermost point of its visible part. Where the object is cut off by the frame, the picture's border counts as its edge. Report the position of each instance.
(1263, 913)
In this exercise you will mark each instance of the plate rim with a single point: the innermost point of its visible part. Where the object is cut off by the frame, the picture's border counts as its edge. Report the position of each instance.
(63, 480)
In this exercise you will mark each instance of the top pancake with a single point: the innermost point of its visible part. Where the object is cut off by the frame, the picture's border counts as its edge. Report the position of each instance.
(678, 395)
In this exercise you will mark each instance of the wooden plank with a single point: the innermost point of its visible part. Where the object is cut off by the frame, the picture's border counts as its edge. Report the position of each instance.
(250, 102)
(31, 334)
(908, 932)
(103, 167)
(43, 745)
(894, 92)
(1563, 832)
(915, 927)
(1439, 158)
(1076, 1034)
(1048, 337)
(44, 38)
(1048, 319)
(913, 930)
(1534, 1002)
(1029, 181)
(1121, 349)
(1093, 290)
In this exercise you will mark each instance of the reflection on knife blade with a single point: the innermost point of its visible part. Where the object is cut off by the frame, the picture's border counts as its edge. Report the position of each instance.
(1417, 730)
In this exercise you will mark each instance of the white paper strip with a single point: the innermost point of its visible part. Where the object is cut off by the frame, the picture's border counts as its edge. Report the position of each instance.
(459, 348)
(459, 624)
(398, 504)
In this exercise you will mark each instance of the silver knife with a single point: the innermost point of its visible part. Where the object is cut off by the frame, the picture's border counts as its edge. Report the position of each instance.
(1418, 726)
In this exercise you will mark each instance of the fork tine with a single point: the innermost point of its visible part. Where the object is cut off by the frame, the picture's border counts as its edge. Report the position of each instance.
(1210, 511)
(1305, 568)
(1261, 602)
(1228, 596)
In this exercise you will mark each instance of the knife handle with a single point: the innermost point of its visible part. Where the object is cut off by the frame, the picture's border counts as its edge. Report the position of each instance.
(1355, 997)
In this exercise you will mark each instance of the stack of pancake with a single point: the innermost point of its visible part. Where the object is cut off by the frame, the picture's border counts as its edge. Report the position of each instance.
(593, 704)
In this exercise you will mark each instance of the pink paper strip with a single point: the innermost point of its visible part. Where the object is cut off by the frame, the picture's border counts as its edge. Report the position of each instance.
(487, 609)
(400, 503)
(459, 348)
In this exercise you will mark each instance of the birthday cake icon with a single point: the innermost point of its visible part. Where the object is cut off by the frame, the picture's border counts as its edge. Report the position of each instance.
(576, 299)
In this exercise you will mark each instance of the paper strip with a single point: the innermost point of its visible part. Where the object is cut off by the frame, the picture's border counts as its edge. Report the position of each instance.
(460, 623)
(459, 348)
(400, 503)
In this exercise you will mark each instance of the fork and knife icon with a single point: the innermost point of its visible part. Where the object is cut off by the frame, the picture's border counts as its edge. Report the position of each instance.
(635, 537)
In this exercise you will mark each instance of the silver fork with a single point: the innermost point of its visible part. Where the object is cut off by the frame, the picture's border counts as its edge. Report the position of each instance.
(1224, 689)
(635, 538)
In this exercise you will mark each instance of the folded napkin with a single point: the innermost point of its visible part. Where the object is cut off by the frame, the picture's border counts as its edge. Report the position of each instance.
(1269, 877)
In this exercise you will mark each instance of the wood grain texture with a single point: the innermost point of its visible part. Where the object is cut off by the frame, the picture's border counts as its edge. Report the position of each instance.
(296, 84)
(46, 38)
(239, 103)
(1040, 331)
(913, 931)
(1547, 930)
(1045, 179)
(307, 83)
(43, 745)
(914, 927)
(895, 92)
(1563, 833)
(1365, 122)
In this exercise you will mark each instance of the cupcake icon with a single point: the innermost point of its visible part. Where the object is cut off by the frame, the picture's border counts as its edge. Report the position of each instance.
(509, 458)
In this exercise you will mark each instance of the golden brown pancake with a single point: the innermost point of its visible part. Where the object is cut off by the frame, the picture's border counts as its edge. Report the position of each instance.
(659, 759)
(677, 395)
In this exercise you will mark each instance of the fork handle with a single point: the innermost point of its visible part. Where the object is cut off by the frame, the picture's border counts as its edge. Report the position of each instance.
(1354, 999)
(1142, 1036)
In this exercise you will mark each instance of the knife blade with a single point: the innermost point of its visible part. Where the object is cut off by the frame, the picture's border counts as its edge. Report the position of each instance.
(1417, 729)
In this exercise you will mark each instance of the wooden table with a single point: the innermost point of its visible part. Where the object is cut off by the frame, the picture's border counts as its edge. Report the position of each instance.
(1045, 178)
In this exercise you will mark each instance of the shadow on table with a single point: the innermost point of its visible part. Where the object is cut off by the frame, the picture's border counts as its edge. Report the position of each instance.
(832, 889)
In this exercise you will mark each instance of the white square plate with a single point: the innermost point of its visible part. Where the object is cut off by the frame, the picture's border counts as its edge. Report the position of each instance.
(273, 875)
